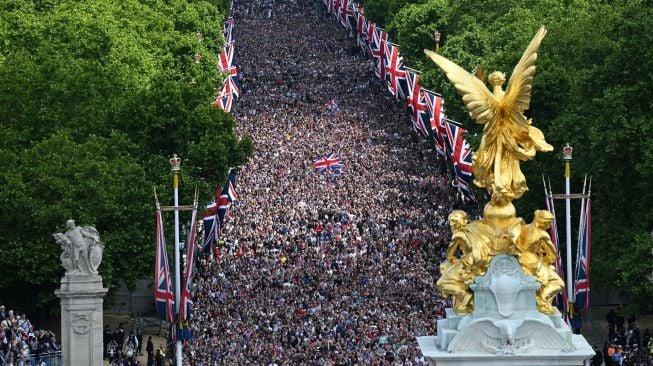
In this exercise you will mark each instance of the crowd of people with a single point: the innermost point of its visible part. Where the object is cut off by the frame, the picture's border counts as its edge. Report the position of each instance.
(22, 343)
(626, 346)
(316, 269)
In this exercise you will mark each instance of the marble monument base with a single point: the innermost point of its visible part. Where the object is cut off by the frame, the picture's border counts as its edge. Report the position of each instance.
(504, 328)
(439, 357)
(81, 319)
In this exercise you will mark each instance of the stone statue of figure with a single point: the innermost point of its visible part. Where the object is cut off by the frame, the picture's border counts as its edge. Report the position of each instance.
(537, 256)
(476, 243)
(82, 249)
(508, 136)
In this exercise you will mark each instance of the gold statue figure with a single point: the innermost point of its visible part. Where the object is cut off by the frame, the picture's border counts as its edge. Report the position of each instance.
(475, 241)
(537, 256)
(508, 136)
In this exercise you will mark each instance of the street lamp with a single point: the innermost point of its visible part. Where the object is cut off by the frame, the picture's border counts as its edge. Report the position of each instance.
(175, 167)
(567, 150)
(437, 35)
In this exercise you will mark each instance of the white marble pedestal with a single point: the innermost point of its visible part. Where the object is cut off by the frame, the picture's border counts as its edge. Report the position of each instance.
(504, 328)
(81, 319)
(436, 356)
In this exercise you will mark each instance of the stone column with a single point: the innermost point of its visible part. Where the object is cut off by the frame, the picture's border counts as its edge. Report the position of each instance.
(81, 319)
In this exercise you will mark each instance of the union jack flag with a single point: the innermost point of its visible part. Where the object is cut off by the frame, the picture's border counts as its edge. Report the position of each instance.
(185, 301)
(435, 105)
(211, 227)
(582, 282)
(370, 33)
(394, 69)
(227, 196)
(216, 212)
(361, 31)
(163, 291)
(335, 8)
(561, 299)
(379, 40)
(226, 58)
(228, 35)
(417, 104)
(462, 161)
(231, 84)
(230, 189)
(345, 12)
(330, 162)
(224, 102)
(453, 137)
(228, 24)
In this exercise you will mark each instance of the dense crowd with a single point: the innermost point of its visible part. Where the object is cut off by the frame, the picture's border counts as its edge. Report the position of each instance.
(627, 345)
(315, 269)
(23, 343)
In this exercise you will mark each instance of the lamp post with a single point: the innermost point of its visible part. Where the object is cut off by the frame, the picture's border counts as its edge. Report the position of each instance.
(567, 150)
(175, 163)
(436, 36)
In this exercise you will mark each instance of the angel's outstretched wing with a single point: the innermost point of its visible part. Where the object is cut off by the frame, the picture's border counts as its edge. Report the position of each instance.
(480, 101)
(475, 334)
(518, 94)
(543, 335)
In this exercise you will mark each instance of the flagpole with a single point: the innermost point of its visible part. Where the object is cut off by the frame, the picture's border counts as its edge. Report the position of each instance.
(580, 232)
(570, 293)
(175, 162)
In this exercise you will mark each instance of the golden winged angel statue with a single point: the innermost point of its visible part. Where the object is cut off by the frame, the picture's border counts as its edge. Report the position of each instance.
(508, 136)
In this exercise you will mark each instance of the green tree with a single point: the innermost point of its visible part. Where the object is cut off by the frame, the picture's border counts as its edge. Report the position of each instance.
(95, 96)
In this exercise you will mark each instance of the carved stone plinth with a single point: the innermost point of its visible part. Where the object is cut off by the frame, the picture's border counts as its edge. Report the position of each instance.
(505, 327)
(81, 319)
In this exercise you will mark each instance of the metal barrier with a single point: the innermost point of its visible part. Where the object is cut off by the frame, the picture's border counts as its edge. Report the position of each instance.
(46, 359)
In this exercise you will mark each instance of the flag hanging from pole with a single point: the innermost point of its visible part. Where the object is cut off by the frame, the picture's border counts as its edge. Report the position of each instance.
(211, 227)
(561, 299)
(183, 329)
(163, 290)
(582, 273)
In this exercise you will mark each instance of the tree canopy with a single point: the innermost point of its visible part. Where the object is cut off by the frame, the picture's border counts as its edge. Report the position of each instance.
(95, 97)
(591, 90)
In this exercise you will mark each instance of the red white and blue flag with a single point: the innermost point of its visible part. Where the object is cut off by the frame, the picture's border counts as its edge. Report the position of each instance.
(361, 30)
(345, 13)
(435, 105)
(226, 58)
(228, 24)
(394, 69)
(379, 40)
(462, 163)
(185, 303)
(216, 211)
(231, 83)
(561, 299)
(417, 104)
(163, 295)
(327, 163)
(582, 276)
(224, 102)
(453, 137)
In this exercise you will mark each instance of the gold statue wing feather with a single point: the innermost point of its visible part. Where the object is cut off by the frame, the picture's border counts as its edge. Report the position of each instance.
(518, 93)
(480, 101)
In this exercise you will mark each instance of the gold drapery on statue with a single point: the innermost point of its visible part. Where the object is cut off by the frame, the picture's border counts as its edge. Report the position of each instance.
(508, 138)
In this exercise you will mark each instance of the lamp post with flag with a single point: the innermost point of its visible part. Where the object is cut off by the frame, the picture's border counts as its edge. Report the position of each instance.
(175, 163)
(567, 151)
